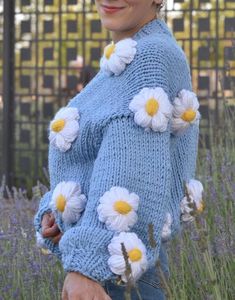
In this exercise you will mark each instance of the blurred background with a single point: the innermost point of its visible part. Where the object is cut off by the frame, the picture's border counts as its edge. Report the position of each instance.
(50, 49)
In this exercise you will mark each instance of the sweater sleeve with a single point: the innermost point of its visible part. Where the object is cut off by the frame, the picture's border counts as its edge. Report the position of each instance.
(42, 209)
(184, 150)
(131, 161)
(183, 163)
(184, 147)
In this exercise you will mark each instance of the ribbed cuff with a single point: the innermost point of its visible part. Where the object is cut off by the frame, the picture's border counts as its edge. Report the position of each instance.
(43, 208)
(54, 248)
(85, 250)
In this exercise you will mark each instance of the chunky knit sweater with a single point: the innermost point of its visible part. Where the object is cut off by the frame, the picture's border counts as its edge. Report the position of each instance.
(121, 163)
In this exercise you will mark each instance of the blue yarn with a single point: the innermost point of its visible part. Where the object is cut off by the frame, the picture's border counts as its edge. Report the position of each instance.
(112, 150)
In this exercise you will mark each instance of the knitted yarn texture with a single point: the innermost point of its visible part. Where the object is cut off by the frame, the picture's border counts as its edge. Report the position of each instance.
(116, 144)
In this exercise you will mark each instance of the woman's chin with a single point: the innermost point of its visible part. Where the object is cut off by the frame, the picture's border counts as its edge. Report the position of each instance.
(112, 25)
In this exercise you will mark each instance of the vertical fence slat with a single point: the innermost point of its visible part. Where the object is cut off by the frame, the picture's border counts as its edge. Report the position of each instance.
(8, 89)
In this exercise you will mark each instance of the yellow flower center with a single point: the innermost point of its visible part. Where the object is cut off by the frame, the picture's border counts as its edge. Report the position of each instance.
(152, 106)
(201, 207)
(135, 254)
(58, 125)
(122, 207)
(189, 115)
(109, 50)
(60, 203)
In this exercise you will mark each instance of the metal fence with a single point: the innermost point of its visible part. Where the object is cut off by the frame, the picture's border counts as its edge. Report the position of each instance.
(43, 43)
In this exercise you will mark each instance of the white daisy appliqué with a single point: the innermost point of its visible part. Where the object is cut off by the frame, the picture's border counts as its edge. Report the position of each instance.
(152, 109)
(166, 230)
(194, 198)
(64, 128)
(117, 56)
(185, 111)
(68, 201)
(136, 252)
(117, 209)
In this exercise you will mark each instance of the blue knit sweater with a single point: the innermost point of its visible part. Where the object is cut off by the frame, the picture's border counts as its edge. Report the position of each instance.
(113, 150)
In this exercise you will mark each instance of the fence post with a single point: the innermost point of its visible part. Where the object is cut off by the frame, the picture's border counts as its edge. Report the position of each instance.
(8, 89)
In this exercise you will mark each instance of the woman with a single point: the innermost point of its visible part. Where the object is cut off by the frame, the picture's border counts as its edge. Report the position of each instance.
(120, 153)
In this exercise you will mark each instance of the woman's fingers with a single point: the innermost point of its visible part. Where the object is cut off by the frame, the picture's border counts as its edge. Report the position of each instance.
(50, 231)
(102, 297)
(57, 238)
(79, 287)
(101, 294)
(45, 219)
(51, 220)
(49, 227)
(106, 297)
(48, 220)
(64, 295)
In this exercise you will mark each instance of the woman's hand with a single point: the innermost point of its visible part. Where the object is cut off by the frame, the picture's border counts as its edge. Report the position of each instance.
(79, 287)
(49, 228)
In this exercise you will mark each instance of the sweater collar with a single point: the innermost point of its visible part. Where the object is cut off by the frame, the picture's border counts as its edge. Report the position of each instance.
(154, 26)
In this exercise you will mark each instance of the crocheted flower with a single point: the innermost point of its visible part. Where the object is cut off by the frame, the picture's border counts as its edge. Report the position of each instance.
(136, 252)
(117, 209)
(192, 201)
(64, 128)
(166, 230)
(117, 56)
(67, 201)
(185, 111)
(152, 108)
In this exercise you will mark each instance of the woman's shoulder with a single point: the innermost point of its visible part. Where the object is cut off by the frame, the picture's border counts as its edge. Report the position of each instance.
(159, 49)
(140, 65)
(163, 57)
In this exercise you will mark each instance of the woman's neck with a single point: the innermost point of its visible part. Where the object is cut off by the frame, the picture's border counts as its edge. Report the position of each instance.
(120, 35)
